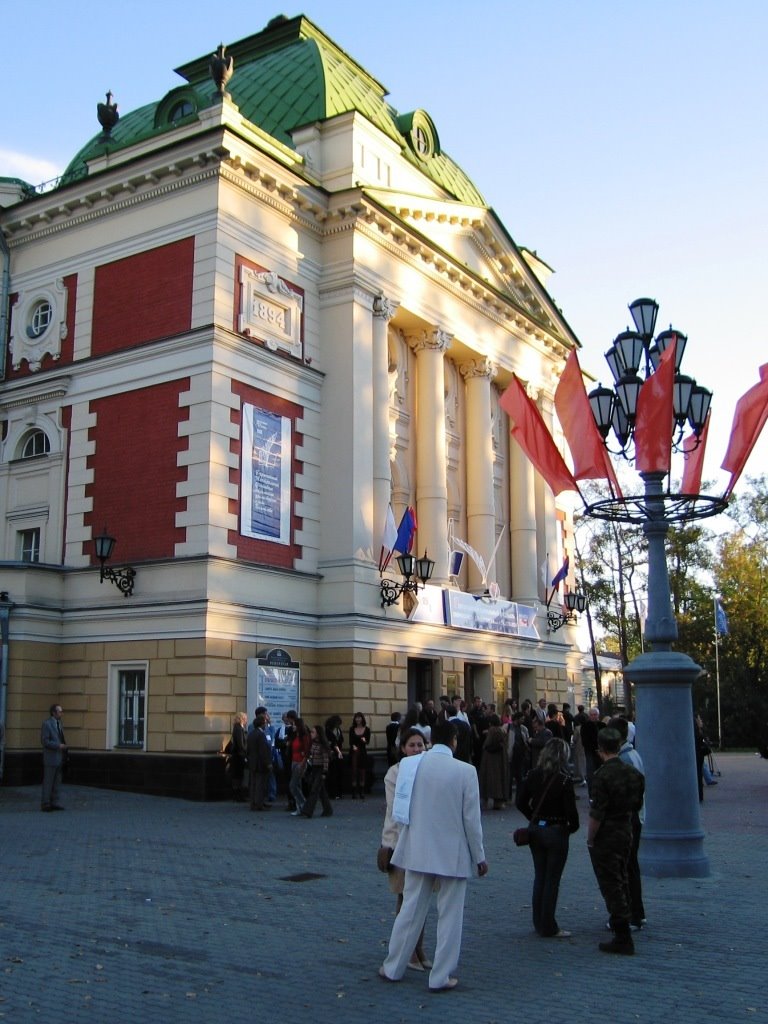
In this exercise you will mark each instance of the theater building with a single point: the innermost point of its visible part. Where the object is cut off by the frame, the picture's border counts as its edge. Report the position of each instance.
(248, 318)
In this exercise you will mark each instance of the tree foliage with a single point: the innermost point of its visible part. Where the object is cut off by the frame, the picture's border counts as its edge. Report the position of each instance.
(734, 564)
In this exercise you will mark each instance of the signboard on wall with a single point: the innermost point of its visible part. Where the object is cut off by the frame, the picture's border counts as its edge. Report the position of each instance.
(273, 681)
(265, 485)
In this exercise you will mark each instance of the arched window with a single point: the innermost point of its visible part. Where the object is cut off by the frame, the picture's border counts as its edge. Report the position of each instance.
(181, 109)
(34, 443)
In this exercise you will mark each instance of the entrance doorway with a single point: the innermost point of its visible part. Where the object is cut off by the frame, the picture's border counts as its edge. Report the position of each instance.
(422, 673)
(478, 682)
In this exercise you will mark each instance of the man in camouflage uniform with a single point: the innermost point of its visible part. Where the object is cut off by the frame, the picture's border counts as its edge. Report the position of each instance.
(617, 791)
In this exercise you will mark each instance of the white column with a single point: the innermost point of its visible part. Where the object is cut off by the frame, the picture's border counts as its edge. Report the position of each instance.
(478, 454)
(522, 514)
(383, 311)
(548, 510)
(431, 485)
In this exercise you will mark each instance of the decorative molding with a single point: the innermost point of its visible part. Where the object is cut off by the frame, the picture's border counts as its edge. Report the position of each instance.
(21, 231)
(435, 340)
(480, 367)
(384, 308)
(24, 343)
(272, 312)
(39, 392)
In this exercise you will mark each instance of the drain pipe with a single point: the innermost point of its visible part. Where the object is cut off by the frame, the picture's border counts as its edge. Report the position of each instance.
(5, 614)
(5, 295)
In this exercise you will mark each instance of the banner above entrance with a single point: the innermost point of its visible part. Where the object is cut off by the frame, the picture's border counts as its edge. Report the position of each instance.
(466, 611)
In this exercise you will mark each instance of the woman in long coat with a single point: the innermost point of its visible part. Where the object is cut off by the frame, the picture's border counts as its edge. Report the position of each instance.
(494, 765)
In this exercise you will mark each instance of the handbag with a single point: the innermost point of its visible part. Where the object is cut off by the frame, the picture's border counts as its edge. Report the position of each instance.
(383, 858)
(522, 836)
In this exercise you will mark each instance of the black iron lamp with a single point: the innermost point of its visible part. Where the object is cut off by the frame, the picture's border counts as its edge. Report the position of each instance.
(575, 601)
(632, 351)
(122, 578)
(414, 571)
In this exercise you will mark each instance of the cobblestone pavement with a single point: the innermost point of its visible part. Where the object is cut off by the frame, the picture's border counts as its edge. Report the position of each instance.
(140, 908)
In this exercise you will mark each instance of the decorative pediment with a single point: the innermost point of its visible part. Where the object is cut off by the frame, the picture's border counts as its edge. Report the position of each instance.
(471, 238)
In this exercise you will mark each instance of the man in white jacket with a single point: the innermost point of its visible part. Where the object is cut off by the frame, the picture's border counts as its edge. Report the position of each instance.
(442, 840)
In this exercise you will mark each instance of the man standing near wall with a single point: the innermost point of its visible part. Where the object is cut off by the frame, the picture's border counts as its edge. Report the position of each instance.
(54, 748)
(438, 803)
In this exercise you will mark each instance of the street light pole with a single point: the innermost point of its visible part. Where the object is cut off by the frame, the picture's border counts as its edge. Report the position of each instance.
(672, 844)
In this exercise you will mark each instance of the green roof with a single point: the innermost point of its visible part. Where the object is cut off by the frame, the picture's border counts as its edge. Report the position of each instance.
(286, 76)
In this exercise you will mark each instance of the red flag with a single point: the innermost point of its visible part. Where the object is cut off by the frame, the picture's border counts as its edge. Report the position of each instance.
(748, 420)
(530, 432)
(590, 459)
(655, 414)
(694, 460)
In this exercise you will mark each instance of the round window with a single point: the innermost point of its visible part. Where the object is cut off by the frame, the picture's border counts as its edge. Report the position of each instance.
(40, 318)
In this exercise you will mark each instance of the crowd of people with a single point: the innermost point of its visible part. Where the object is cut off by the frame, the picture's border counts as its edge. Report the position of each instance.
(447, 761)
(313, 764)
(536, 754)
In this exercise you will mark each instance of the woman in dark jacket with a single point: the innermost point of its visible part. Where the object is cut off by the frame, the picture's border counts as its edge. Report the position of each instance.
(547, 790)
(237, 757)
(335, 736)
(359, 738)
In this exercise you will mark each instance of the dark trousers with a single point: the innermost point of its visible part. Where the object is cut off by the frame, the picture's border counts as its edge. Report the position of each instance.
(335, 780)
(549, 849)
(258, 785)
(51, 780)
(636, 908)
(317, 791)
(610, 856)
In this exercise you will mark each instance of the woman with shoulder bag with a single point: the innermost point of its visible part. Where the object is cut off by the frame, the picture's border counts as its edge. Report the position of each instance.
(547, 799)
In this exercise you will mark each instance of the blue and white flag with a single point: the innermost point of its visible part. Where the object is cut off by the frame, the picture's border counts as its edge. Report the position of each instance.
(561, 573)
(721, 619)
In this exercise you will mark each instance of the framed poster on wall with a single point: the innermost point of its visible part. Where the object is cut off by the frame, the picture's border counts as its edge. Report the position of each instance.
(265, 485)
(273, 681)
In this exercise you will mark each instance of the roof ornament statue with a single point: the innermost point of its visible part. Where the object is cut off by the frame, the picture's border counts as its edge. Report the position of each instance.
(222, 69)
(107, 115)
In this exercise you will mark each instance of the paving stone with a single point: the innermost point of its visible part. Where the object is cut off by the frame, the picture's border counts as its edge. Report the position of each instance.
(137, 908)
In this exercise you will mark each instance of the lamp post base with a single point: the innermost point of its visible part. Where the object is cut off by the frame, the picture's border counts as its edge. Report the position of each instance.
(672, 844)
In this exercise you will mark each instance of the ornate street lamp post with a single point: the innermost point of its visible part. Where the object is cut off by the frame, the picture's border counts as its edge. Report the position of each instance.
(672, 839)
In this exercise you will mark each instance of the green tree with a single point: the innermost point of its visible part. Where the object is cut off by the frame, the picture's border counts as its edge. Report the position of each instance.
(740, 569)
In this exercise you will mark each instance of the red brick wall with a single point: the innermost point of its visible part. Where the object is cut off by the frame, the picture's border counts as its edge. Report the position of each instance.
(135, 472)
(67, 344)
(263, 551)
(143, 297)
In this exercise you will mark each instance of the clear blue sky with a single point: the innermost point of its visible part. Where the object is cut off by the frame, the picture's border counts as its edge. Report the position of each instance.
(624, 141)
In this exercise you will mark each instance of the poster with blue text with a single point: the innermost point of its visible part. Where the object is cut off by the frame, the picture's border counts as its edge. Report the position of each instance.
(265, 512)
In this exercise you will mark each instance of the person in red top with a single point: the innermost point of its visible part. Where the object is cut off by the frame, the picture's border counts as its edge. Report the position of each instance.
(299, 745)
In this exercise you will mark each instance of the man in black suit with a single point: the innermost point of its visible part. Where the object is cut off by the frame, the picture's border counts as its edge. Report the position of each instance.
(259, 764)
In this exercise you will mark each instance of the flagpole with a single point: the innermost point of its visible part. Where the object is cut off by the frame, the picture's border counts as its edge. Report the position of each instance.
(717, 676)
